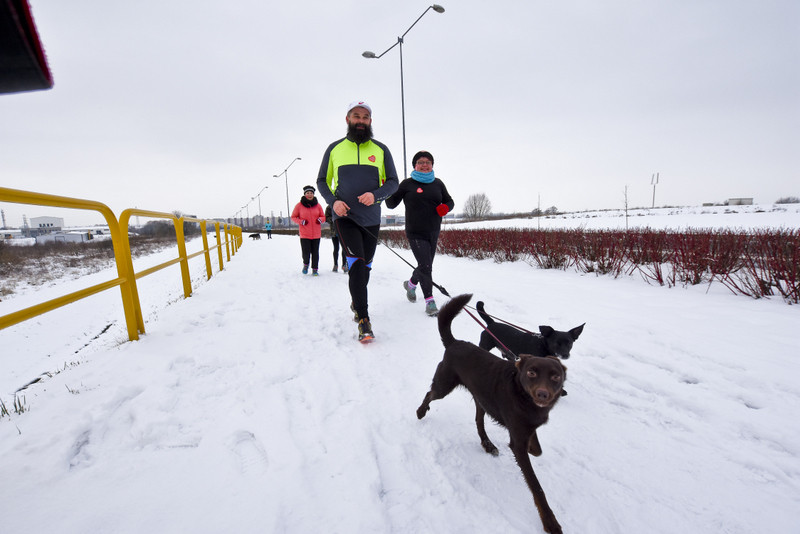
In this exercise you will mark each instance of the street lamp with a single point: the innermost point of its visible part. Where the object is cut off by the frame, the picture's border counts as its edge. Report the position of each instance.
(654, 183)
(286, 176)
(372, 55)
(261, 219)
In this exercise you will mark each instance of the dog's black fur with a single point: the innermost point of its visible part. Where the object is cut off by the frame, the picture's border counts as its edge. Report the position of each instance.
(255, 236)
(550, 342)
(518, 395)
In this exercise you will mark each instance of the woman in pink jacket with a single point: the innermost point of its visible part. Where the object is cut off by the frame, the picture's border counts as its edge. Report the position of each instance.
(309, 216)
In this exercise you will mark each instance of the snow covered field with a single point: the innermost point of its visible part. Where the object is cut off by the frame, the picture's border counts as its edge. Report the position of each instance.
(250, 407)
(736, 217)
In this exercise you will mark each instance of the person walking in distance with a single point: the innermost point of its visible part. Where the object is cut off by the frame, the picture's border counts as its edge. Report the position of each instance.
(308, 215)
(356, 174)
(426, 200)
(335, 241)
(268, 228)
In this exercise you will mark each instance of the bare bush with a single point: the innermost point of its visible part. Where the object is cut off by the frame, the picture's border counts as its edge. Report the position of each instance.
(757, 264)
(477, 207)
(43, 263)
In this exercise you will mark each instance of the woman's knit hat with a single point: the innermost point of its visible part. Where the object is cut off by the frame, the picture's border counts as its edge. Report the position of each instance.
(309, 188)
(421, 154)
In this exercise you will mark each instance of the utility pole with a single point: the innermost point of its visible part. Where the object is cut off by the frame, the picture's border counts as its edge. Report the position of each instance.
(626, 208)
(654, 182)
(538, 211)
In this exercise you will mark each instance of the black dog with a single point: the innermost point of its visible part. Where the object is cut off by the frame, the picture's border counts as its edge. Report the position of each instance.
(550, 342)
(518, 395)
(255, 236)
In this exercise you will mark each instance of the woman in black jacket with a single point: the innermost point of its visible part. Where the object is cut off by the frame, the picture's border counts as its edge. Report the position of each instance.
(427, 201)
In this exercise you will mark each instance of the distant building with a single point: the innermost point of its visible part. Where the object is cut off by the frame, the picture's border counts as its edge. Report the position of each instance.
(739, 202)
(60, 237)
(47, 222)
(10, 233)
(44, 225)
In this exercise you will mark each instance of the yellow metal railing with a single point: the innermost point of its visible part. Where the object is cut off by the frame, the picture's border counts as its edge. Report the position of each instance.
(126, 276)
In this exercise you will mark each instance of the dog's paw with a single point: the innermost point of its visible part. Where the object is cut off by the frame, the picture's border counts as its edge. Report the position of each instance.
(421, 411)
(489, 447)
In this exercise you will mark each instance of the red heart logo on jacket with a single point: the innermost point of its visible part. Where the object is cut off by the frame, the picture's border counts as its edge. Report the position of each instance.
(372, 159)
(419, 190)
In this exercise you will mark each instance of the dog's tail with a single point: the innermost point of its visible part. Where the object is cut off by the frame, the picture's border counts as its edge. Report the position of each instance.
(485, 316)
(447, 314)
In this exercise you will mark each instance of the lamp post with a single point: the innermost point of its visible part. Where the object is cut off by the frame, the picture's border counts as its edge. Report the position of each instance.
(372, 55)
(286, 176)
(654, 183)
(261, 219)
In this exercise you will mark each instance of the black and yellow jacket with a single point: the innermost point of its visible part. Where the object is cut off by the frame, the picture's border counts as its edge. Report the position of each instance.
(349, 170)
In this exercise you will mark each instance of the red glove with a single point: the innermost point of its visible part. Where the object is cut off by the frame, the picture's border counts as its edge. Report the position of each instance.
(319, 220)
(303, 222)
(442, 210)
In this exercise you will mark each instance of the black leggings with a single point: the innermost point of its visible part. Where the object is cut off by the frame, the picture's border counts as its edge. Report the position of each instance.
(358, 244)
(310, 247)
(424, 249)
(335, 239)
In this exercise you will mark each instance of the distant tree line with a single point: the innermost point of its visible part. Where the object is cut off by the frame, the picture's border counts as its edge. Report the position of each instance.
(164, 228)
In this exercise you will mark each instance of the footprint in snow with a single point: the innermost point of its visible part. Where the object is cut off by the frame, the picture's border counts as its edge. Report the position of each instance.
(251, 458)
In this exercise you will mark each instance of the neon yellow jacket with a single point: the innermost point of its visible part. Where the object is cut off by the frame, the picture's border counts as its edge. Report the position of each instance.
(349, 170)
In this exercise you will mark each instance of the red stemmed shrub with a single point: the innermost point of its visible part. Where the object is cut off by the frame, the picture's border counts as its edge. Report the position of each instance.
(758, 264)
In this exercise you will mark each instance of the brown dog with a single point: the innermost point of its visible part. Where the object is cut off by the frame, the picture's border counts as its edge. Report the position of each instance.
(518, 395)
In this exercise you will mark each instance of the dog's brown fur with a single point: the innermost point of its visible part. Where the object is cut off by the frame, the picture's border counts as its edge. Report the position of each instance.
(518, 395)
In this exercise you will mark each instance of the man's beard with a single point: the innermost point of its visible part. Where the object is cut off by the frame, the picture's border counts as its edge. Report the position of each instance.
(359, 133)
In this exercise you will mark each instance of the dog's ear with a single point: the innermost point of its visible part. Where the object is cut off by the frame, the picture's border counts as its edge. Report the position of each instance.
(546, 331)
(575, 332)
(521, 360)
(564, 367)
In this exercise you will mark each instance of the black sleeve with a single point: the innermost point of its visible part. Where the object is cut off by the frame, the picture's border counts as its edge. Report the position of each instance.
(396, 198)
(447, 200)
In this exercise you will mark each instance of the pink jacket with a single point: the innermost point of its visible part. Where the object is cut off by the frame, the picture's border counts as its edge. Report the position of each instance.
(313, 229)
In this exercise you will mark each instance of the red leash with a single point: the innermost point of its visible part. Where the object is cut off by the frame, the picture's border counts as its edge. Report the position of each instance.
(486, 329)
(509, 324)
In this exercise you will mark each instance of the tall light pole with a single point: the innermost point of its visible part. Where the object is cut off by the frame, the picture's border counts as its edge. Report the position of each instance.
(261, 219)
(286, 176)
(372, 55)
(654, 183)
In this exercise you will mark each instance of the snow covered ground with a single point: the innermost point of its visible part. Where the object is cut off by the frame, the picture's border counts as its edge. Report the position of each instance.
(680, 218)
(250, 407)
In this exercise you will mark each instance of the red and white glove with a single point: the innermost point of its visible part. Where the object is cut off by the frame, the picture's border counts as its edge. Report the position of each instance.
(303, 222)
(442, 210)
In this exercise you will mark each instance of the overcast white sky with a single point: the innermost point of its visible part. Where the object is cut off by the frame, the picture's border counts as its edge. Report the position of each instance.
(195, 105)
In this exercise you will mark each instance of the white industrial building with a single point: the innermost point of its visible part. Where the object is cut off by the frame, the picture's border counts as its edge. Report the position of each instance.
(47, 223)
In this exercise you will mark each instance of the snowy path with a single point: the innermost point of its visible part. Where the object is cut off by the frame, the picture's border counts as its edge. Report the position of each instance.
(250, 407)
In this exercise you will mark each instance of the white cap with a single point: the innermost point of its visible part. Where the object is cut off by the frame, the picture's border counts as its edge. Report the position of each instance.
(359, 104)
